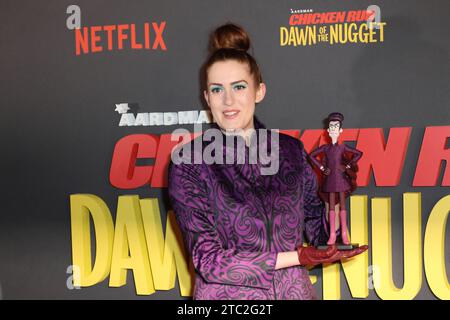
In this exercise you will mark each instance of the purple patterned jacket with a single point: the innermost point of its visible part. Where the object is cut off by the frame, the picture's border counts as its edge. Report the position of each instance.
(234, 222)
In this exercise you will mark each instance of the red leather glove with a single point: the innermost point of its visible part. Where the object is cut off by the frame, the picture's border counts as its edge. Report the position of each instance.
(313, 256)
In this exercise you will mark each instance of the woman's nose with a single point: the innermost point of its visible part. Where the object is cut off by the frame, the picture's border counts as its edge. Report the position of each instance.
(228, 98)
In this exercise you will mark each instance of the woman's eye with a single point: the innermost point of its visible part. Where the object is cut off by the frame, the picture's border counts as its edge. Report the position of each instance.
(240, 86)
(216, 89)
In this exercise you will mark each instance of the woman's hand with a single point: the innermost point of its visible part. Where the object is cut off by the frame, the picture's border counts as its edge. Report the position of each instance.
(313, 256)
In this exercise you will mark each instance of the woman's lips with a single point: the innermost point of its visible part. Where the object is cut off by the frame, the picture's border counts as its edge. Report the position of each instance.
(230, 114)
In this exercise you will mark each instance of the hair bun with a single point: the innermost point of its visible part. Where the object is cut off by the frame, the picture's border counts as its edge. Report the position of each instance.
(229, 36)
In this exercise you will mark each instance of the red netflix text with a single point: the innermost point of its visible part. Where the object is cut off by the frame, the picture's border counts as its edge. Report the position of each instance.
(117, 37)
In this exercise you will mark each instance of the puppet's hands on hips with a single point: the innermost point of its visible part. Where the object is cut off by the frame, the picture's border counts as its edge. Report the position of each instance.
(313, 256)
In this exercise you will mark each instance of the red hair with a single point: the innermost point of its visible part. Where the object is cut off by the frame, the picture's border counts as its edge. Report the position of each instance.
(231, 42)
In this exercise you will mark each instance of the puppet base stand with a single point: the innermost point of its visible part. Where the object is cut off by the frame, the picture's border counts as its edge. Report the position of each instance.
(340, 246)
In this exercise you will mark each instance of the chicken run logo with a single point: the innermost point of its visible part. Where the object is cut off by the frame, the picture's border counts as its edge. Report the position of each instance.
(310, 28)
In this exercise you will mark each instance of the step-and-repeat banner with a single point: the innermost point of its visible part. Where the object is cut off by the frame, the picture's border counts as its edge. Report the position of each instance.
(92, 90)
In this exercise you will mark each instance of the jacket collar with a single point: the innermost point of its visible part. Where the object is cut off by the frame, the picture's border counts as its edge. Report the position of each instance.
(231, 143)
(257, 126)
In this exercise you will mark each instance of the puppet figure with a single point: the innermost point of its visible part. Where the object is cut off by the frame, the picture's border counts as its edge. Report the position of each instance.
(339, 169)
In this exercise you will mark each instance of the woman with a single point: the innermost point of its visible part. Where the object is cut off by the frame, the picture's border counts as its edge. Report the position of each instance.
(244, 230)
(339, 174)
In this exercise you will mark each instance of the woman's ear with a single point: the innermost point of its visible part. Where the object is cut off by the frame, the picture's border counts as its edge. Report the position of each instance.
(340, 130)
(205, 94)
(260, 92)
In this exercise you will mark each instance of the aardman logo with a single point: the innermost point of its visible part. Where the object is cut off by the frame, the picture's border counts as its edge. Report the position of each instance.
(92, 39)
(160, 118)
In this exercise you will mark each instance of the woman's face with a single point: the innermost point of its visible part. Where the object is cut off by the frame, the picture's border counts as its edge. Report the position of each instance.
(232, 94)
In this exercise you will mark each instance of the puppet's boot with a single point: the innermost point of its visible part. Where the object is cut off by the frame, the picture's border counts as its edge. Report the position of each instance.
(332, 223)
(344, 230)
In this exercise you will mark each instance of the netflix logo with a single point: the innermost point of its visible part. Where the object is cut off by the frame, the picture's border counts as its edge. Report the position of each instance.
(118, 37)
(94, 39)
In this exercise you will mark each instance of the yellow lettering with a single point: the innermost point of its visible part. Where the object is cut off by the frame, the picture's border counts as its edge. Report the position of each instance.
(130, 249)
(162, 253)
(355, 269)
(283, 36)
(382, 247)
(434, 250)
(81, 205)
